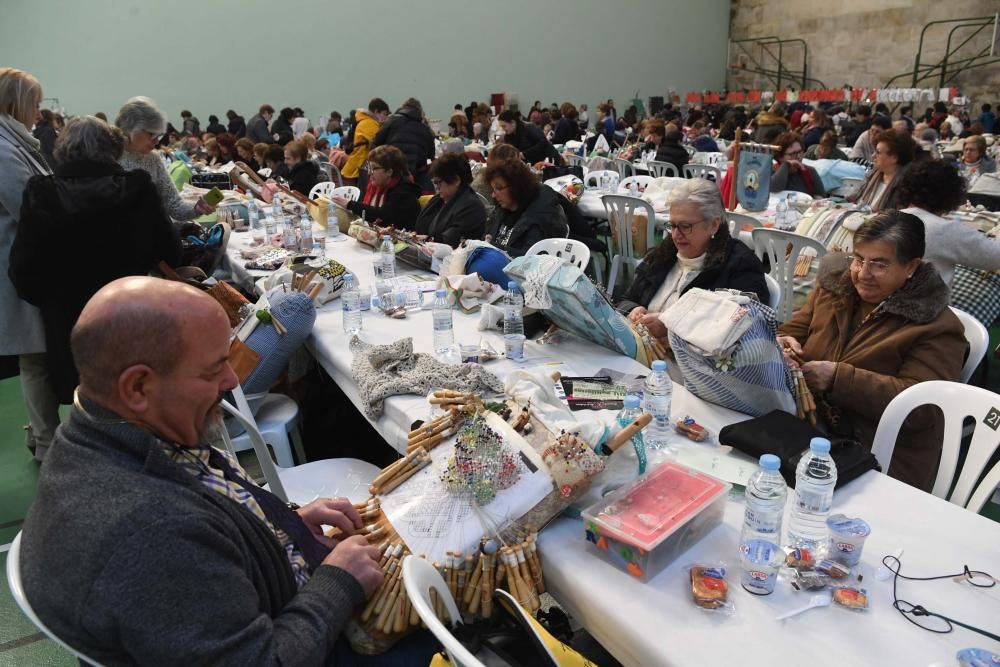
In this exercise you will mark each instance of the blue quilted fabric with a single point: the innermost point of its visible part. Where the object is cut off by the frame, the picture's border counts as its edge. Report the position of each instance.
(297, 313)
(756, 381)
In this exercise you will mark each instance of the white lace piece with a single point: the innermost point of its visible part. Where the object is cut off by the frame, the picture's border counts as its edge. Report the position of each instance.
(536, 282)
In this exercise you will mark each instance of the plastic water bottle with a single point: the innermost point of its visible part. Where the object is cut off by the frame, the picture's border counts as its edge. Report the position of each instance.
(766, 493)
(350, 300)
(444, 332)
(276, 210)
(815, 478)
(332, 225)
(256, 224)
(305, 234)
(289, 240)
(633, 189)
(513, 305)
(385, 260)
(270, 228)
(781, 214)
(657, 403)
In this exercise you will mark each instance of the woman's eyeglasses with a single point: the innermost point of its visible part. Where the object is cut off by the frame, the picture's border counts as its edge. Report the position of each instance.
(683, 228)
(876, 267)
(499, 188)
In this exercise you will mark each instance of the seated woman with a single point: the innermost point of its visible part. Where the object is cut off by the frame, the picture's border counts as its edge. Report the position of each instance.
(826, 148)
(877, 323)
(893, 154)
(245, 153)
(303, 173)
(699, 252)
(975, 161)
(932, 189)
(391, 197)
(528, 138)
(260, 155)
(455, 212)
(93, 220)
(789, 173)
(668, 145)
(566, 128)
(499, 153)
(274, 160)
(526, 211)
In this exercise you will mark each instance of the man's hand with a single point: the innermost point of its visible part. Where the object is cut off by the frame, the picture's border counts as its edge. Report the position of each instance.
(819, 375)
(336, 512)
(653, 324)
(359, 559)
(791, 349)
(636, 314)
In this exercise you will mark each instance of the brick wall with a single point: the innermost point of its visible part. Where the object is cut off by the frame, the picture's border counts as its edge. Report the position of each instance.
(863, 42)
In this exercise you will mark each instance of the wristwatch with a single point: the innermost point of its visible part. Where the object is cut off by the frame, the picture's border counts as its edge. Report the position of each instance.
(294, 506)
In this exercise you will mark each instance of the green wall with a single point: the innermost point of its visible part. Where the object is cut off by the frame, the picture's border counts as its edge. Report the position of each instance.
(211, 55)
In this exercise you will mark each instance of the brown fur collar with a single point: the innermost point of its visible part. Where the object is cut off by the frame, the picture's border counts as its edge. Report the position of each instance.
(921, 299)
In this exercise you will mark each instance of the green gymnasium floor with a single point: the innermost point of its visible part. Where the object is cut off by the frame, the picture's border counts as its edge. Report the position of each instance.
(20, 643)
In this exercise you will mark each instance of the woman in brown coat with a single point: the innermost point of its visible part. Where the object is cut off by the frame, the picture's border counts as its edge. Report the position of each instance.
(877, 323)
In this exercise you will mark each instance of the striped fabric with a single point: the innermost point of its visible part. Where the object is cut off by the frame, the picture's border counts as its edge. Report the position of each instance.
(755, 380)
(195, 461)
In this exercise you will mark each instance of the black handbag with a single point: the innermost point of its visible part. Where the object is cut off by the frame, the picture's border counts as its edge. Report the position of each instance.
(787, 437)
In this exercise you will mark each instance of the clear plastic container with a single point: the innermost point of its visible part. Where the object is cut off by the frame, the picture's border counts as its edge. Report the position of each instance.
(643, 526)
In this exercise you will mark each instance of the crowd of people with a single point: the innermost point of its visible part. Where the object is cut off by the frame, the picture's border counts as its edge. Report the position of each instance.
(95, 200)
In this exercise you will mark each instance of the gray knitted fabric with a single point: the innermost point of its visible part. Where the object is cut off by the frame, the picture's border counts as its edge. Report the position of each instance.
(151, 163)
(381, 371)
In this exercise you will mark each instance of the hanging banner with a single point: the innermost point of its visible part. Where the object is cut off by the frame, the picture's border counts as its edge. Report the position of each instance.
(753, 178)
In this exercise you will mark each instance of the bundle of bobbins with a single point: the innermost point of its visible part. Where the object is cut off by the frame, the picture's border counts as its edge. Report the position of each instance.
(805, 404)
(399, 471)
(304, 283)
(458, 406)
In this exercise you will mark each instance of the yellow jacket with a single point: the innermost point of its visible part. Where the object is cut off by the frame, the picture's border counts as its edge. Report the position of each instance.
(363, 135)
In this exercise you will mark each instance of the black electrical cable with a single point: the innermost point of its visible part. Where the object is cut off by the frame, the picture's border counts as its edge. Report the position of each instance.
(908, 610)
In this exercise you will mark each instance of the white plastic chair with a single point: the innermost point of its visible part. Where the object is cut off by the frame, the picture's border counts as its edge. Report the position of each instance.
(957, 401)
(277, 419)
(329, 189)
(773, 292)
(624, 168)
(979, 340)
(304, 483)
(737, 221)
(569, 250)
(641, 181)
(576, 160)
(17, 592)
(621, 210)
(593, 179)
(774, 243)
(332, 173)
(419, 578)
(985, 490)
(660, 169)
(702, 171)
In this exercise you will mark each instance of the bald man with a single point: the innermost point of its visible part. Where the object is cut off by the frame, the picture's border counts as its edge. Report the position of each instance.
(146, 546)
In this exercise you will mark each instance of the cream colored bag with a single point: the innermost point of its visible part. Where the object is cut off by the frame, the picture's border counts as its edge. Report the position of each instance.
(712, 322)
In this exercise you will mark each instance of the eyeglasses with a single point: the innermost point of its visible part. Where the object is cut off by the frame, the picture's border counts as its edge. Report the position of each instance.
(499, 188)
(794, 153)
(683, 228)
(876, 267)
(372, 168)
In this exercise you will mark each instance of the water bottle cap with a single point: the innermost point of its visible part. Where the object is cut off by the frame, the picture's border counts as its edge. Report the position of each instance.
(348, 277)
(659, 365)
(631, 401)
(441, 293)
(819, 446)
(511, 285)
(386, 238)
(770, 462)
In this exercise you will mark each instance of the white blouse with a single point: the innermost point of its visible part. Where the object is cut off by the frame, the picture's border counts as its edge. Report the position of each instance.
(679, 277)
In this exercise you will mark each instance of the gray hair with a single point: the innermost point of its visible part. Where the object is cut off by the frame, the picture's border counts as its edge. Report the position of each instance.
(930, 134)
(141, 114)
(704, 194)
(89, 138)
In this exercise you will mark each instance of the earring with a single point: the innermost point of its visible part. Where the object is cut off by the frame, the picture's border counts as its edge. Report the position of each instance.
(713, 236)
(909, 276)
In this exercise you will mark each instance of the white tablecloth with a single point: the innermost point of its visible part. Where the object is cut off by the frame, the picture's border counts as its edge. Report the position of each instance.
(655, 623)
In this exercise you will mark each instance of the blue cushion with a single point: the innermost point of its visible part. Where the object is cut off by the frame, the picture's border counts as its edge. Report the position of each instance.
(297, 313)
(488, 263)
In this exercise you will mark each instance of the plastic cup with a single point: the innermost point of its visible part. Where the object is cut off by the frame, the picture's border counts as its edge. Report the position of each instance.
(760, 561)
(470, 354)
(513, 345)
(847, 539)
(413, 300)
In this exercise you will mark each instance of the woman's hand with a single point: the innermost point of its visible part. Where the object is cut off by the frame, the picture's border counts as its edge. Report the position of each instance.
(636, 314)
(819, 375)
(653, 324)
(203, 207)
(791, 349)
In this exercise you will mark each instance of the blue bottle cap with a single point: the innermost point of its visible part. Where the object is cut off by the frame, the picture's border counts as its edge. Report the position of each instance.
(441, 292)
(631, 401)
(659, 365)
(770, 462)
(511, 285)
(348, 277)
(386, 238)
(819, 446)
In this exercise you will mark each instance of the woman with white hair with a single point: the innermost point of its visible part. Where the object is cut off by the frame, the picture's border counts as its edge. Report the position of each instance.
(144, 124)
(698, 252)
(97, 223)
(21, 330)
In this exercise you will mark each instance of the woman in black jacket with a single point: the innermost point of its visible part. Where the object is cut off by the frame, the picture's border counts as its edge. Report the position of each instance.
(699, 252)
(456, 212)
(391, 197)
(567, 128)
(86, 225)
(281, 128)
(45, 132)
(670, 148)
(526, 211)
(529, 139)
(303, 173)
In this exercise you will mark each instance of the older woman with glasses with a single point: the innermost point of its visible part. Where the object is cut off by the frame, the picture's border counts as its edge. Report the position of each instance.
(391, 197)
(526, 211)
(789, 171)
(698, 252)
(144, 124)
(455, 212)
(893, 154)
(93, 220)
(876, 323)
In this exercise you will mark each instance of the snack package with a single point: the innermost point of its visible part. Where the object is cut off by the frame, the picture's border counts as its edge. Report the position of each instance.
(799, 559)
(833, 569)
(691, 429)
(709, 588)
(810, 580)
(855, 599)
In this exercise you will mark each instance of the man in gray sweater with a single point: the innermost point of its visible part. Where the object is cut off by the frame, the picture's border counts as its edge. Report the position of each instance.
(145, 545)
